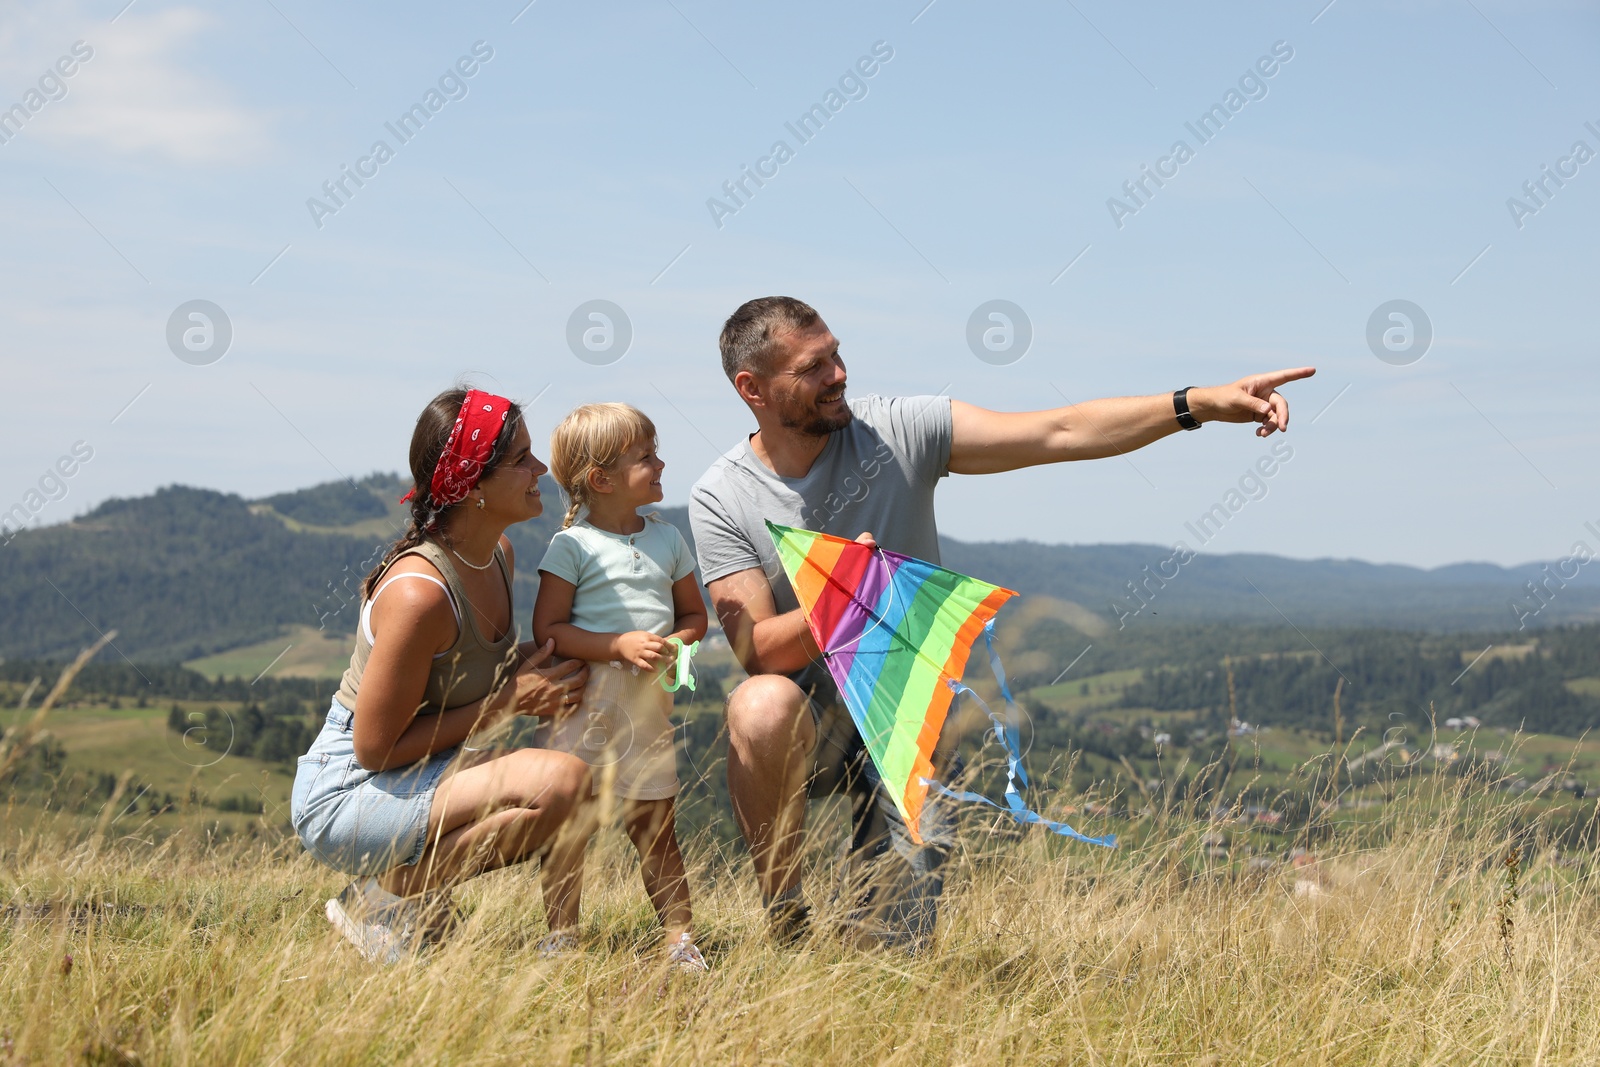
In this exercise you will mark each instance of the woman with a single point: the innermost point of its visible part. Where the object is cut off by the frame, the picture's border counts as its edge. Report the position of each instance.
(388, 791)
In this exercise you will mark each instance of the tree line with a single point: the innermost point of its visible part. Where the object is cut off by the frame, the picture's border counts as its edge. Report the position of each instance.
(1387, 678)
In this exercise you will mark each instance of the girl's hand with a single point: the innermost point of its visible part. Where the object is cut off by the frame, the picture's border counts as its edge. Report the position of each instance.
(547, 687)
(643, 649)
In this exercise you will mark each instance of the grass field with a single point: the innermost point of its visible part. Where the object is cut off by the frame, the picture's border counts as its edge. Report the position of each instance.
(382, 527)
(1426, 950)
(1433, 919)
(195, 773)
(1083, 694)
(1585, 686)
(300, 652)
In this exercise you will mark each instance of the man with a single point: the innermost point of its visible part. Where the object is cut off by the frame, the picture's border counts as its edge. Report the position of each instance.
(865, 469)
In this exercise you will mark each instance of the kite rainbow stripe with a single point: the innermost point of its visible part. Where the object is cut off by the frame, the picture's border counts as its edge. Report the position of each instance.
(896, 633)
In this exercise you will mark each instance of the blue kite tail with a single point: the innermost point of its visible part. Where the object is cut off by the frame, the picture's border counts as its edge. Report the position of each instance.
(1009, 736)
(1022, 813)
(1013, 716)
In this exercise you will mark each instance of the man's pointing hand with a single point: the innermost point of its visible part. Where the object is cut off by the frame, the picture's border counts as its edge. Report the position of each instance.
(1252, 399)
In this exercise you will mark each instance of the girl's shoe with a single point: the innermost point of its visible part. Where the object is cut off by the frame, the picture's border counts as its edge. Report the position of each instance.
(682, 955)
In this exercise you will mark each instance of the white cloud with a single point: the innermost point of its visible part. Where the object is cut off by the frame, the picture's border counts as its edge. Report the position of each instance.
(140, 95)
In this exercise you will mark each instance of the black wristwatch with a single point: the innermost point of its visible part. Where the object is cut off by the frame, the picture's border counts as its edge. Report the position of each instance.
(1180, 404)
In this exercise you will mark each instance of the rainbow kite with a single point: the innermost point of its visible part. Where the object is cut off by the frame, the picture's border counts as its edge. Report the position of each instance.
(896, 633)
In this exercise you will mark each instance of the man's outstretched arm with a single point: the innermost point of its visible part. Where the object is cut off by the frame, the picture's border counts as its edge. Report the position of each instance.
(984, 442)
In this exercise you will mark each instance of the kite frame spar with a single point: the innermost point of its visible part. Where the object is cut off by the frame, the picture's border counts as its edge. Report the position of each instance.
(900, 710)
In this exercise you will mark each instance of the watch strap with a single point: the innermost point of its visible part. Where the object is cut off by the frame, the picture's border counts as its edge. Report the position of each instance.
(1180, 405)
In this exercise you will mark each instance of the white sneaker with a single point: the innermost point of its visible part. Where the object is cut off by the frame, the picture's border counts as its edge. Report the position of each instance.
(384, 928)
(683, 955)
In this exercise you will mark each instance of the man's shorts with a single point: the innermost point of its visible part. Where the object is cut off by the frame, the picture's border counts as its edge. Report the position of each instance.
(893, 884)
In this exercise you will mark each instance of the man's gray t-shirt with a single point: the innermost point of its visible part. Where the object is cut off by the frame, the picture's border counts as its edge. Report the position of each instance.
(877, 474)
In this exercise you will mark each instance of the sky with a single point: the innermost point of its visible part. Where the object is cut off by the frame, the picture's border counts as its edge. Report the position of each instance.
(1370, 152)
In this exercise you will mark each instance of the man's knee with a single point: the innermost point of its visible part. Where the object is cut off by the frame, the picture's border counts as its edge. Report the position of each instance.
(769, 712)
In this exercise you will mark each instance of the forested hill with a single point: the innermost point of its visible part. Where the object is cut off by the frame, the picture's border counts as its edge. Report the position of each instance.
(185, 572)
(177, 574)
(1254, 588)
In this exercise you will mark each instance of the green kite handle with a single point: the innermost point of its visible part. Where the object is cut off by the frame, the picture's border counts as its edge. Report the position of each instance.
(681, 674)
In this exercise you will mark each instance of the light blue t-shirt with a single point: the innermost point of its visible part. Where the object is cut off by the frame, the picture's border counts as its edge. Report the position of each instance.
(623, 581)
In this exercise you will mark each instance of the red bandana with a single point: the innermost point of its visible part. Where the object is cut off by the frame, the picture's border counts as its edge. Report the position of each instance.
(472, 439)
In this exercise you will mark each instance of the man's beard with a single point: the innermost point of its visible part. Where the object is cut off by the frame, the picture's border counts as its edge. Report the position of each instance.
(798, 415)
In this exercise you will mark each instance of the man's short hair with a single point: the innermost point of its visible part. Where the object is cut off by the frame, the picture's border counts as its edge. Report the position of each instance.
(747, 336)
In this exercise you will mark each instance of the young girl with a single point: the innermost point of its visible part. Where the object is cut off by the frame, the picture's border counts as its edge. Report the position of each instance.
(614, 589)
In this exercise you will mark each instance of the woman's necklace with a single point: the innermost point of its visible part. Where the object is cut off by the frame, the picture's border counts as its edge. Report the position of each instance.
(469, 563)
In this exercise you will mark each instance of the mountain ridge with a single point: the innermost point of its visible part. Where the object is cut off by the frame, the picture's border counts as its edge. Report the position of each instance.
(186, 571)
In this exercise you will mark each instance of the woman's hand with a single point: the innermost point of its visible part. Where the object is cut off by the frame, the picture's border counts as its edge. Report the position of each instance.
(546, 687)
(643, 649)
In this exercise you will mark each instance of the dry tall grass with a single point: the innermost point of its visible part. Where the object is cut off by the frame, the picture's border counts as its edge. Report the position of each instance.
(1423, 949)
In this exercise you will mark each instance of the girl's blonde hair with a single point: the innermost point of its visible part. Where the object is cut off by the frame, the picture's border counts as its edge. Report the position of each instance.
(593, 437)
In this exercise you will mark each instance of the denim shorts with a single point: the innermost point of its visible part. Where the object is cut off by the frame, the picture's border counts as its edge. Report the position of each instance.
(359, 821)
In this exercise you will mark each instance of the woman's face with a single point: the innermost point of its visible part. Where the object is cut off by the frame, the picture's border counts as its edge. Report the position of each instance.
(511, 490)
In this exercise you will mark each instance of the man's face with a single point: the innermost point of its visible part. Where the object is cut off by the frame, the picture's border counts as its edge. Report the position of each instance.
(807, 383)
